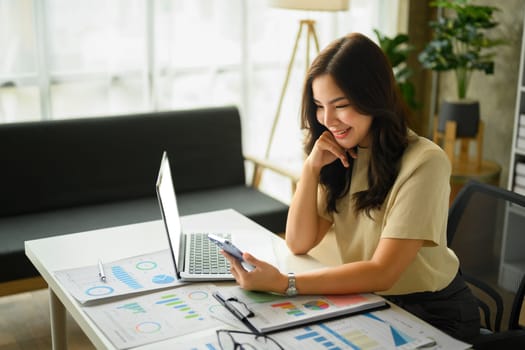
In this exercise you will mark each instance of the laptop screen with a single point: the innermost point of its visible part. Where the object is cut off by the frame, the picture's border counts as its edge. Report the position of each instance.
(168, 208)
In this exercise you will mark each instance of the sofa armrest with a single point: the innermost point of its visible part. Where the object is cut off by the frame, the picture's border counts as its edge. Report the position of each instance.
(262, 164)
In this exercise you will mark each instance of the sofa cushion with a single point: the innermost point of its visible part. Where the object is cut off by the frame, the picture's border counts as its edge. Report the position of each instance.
(64, 163)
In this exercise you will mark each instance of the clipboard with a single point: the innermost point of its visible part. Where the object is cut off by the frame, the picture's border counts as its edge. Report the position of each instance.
(240, 315)
(264, 313)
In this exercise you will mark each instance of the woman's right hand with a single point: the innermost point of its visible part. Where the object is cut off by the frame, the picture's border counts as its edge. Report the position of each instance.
(264, 277)
(326, 150)
(304, 227)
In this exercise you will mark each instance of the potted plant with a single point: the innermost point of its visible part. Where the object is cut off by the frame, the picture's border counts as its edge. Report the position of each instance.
(461, 44)
(397, 49)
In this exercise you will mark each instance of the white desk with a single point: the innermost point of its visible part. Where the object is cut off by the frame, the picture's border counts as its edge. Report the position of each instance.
(83, 249)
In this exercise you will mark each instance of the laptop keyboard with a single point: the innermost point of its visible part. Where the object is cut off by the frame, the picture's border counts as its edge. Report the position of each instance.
(205, 257)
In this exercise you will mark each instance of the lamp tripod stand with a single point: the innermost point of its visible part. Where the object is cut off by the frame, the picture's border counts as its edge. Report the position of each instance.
(309, 26)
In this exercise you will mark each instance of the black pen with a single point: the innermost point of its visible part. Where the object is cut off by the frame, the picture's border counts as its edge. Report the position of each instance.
(101, 273)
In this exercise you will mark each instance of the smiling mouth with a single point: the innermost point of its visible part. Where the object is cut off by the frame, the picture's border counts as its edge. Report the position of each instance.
(341, 133)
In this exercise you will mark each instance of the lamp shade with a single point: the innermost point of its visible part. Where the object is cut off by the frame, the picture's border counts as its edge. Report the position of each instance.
(310, 5)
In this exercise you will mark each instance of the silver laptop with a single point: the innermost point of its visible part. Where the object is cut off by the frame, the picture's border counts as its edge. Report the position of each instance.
(195, 257)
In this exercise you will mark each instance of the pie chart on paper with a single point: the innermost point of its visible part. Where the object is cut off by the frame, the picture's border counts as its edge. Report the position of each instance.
(162, 279)
(316, 305)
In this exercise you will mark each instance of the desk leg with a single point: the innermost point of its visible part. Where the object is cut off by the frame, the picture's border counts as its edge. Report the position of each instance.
(58, 322)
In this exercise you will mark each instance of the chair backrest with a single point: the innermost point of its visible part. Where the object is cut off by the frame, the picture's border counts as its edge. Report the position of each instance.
(486, 229)
(514, 319)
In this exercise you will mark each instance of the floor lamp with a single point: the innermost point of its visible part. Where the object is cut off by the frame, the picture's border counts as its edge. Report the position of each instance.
(308, 26)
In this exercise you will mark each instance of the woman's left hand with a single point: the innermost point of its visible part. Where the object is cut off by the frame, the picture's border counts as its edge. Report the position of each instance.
(264, 277)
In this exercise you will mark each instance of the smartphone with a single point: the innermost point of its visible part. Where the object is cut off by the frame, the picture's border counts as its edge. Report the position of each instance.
(231, 249)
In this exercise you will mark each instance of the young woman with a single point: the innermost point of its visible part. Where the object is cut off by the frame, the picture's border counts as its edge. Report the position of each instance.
(381, 188)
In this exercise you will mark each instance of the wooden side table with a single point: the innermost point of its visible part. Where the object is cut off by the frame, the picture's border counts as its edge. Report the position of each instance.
(448, 140)
(464, 166)
(463, 171)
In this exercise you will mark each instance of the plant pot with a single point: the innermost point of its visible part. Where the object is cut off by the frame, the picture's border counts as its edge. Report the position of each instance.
(464, 112)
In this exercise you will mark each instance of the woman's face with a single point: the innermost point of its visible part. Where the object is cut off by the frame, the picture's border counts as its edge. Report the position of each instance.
(336, 113)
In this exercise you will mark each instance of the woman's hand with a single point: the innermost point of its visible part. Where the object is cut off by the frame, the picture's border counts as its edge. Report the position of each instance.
(326, 150)
(264, 277)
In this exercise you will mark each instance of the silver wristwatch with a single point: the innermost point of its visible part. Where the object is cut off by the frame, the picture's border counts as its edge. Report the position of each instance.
(291, 290)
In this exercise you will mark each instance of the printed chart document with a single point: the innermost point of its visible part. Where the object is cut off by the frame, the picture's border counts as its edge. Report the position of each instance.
(377, 330)
(157, 316)
(386, 329)
(136, 274)
(265, 312)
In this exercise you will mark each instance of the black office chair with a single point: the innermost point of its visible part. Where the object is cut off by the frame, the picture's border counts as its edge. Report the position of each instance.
(514, 337)
(486, 229)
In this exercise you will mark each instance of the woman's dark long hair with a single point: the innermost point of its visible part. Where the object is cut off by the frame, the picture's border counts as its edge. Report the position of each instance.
(363, 73)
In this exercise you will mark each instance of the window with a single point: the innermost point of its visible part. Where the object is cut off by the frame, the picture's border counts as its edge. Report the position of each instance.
(83, 58)
(19, 93)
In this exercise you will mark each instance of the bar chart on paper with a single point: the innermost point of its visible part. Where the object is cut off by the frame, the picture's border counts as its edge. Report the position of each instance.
(363, 332)
(289, 308)
(123, 276)
(181, 305)
(157, 316)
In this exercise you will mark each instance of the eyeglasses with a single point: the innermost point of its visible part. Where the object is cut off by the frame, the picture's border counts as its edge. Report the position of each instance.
(239, 340)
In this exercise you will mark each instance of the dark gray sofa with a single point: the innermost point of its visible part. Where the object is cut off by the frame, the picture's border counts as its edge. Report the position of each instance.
(66, 176)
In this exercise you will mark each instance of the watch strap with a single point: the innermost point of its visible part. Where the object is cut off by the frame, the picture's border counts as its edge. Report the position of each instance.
(292, 289)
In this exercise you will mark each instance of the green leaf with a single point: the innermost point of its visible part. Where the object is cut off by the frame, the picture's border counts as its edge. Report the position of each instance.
(396, 50)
